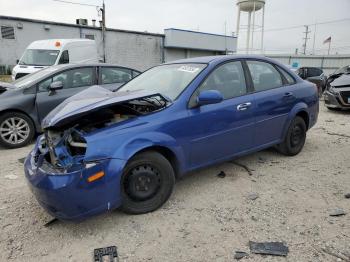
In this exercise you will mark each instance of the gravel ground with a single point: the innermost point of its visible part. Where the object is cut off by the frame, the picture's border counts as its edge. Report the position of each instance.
(207, 218)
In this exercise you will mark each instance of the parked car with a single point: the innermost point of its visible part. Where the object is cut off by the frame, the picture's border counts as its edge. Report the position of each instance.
(314, 75)
(337, 94)
(25, 102)
(44, 53)
(103, 150)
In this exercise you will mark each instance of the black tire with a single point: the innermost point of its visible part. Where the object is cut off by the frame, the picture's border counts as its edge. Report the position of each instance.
(150, 193)
(26, 134)
(295, 139)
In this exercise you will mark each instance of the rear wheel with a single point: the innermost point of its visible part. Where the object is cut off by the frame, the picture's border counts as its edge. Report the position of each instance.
(16, 130)
(295, 138)
(147, 183)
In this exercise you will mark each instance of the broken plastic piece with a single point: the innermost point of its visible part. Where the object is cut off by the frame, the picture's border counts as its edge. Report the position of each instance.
(52, 221)
(337, 212)
(240, 254)
(269, 248)
(100, 254)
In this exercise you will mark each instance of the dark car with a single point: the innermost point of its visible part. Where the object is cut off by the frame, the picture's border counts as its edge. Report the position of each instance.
(25, 102)
(337, 94)
(314, 75)
(102, 150)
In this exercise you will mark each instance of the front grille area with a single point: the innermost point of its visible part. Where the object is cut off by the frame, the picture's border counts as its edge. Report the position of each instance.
(345, 95)
(19, 75)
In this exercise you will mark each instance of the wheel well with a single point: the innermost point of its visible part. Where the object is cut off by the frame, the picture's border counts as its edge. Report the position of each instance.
(167, 153)
(19, 111)
(305, 117)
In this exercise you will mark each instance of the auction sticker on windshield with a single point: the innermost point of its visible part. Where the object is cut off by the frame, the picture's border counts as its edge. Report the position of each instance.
(189, 69)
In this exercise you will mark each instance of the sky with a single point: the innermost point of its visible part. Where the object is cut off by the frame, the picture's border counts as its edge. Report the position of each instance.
(207, 16)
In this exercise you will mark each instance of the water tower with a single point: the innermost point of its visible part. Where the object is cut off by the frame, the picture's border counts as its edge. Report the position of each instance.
(251, 7)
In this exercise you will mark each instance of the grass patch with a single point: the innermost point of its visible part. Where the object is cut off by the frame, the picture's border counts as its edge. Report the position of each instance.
(5, 78)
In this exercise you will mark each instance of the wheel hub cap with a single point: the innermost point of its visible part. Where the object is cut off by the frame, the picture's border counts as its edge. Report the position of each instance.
(297, 136)
(143, 183)
(14, 130)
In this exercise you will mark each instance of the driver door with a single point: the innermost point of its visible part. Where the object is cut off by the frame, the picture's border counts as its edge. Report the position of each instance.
(222, 130)
(74, 81)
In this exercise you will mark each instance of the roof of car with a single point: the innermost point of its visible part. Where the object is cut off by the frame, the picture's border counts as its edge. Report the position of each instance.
(210, 59)
(67, 66)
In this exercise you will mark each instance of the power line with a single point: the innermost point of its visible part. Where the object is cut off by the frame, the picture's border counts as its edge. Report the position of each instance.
(299, 26)
(75, 3)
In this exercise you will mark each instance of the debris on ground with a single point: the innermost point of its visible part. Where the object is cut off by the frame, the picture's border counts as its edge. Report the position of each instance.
(337, 134)
(222, 174)
(52, 221)
(240, 254)
(269, 248)
(347, 195)
(253, 196)
(337, 212)
(11, 177)
(102, 254)
(243, 166)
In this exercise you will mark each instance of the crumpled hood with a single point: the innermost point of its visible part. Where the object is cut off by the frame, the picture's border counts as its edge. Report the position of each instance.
(87, 101)
(341, 81)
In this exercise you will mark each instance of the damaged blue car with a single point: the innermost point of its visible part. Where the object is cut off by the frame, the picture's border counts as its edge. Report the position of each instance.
(103, 150)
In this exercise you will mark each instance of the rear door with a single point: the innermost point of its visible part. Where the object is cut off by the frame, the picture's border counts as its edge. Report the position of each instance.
(74, 81)
(274, 99)
(218, 131)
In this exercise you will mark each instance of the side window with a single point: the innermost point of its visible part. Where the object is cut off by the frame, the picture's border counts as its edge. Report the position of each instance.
(311, 72)
(135, 73)
(70, 79)
(64, 59)
(80, 77)
(228, 79)
(112, 75)
(44, 85)
(265, 76)
(287, 76)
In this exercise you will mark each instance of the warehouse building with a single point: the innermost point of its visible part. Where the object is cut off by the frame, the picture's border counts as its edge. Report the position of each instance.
(139, 50)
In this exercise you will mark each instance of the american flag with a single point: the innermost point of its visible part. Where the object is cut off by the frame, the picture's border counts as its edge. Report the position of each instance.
(328, 40)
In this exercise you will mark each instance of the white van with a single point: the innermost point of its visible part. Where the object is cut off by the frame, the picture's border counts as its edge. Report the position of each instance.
(44, 53)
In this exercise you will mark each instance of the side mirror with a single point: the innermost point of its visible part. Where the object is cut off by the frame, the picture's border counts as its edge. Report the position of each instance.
(17, 61)
(54, 86)
(208, 97)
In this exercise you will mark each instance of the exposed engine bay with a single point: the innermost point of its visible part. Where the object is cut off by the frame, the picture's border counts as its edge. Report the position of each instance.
(64, 145)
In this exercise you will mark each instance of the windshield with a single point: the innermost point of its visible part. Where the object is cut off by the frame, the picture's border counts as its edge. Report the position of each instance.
(168, 80)
(32, 78)
(39, 57)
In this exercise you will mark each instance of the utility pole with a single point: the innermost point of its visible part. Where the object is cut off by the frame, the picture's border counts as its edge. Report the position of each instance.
(103, 11)
(306, 38)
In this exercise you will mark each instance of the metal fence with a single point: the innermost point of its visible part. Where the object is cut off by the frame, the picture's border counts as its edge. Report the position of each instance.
(328, 63)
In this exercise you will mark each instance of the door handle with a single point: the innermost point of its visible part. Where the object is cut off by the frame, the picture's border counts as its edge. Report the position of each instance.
(244, 106)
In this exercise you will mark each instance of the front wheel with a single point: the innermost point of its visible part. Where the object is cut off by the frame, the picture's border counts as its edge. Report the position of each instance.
(16, 130)
(295, 138)
(147, 183)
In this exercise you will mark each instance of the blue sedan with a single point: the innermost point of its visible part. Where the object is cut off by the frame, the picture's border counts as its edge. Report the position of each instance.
(103, 150)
